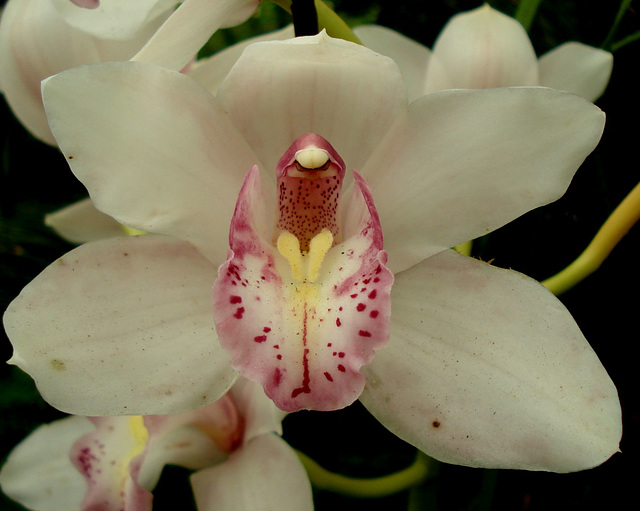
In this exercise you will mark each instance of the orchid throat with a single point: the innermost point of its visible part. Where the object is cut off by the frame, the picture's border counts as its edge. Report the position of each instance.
(302, 306)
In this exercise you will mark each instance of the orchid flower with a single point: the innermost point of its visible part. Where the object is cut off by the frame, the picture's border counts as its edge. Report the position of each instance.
(113, 463)
(484, 48)
(39, 38)
(482, 366)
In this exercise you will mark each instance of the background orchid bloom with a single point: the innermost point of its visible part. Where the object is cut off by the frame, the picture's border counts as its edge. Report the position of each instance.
(484, 48)
(113, 463)
(484, 367)
(39, 38)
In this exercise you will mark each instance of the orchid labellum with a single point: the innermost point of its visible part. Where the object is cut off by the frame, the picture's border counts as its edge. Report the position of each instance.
(303, 306)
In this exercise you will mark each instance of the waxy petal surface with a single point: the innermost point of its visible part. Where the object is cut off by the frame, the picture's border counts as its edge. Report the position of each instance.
(351, 102)
(81, 222)
(187, 30)
(480, 49)
(128, 329)
(304, 341)
(111, 19)
(577, 68)
(499, 373)
(35, 43)
(265, 475)
(466, 162)
(39, 474)
(165, 159)
(412, 57)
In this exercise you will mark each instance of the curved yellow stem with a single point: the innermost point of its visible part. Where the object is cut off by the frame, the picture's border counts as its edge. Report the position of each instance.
(612, 231)
(375, 487)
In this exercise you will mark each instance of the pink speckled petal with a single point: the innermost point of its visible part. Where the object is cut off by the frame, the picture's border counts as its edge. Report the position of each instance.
(110, 459)
(264, 475)
(306, 351)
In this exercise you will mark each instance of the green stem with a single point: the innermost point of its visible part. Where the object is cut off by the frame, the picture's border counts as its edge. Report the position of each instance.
(327, 19)
(624, 41)
(612, 231)
(624, 6)
(375, 487)
(526, 12)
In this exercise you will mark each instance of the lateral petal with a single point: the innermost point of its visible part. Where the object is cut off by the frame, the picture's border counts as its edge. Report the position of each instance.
(486, 368)
(128, 329)
(466, 162)
(128, 127)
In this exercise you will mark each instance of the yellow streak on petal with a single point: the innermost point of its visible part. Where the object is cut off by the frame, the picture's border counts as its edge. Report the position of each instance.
(139, 437)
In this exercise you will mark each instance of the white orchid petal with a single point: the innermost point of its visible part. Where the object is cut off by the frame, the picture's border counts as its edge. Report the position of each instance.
(486, 368)
(152, 147)
(36, 43)
(210, 72)
(315, 85)
(178, 40)
(121, 326)
(264, 475)
(112, 19)
(577, 68)
(38, 472)
(261, 416)
(466, 162)
(81, 222)
(412, 58)
(480, 49)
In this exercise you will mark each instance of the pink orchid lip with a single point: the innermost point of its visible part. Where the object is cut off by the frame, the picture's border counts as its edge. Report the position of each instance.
(300, 309)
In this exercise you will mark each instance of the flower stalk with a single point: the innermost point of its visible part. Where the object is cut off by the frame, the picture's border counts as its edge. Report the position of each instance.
(420, 470)
(609, 235)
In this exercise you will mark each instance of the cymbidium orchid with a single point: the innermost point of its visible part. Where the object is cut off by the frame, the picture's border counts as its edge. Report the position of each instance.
(484, 48)
(39, 38)
(113, 463)
(481, 367)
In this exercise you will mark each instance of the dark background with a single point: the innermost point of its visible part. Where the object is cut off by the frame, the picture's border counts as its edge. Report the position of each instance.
(35, 180)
